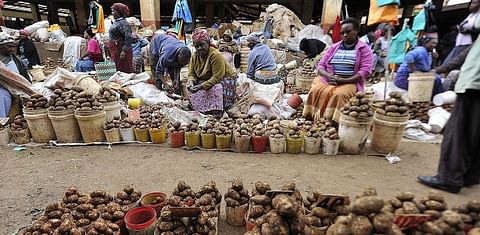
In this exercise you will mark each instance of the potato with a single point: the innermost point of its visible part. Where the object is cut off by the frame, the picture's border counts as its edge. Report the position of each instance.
(383, 222)
(436, 196)
(92, 215)
(452, 218)
(165, 226)
(342, 209)
(410, 208)
(118, 215)
(262, 187)
(54, 214)
(396, 203)
(320, 212)
(361, 225)
(434, 205)
(431, 228)
(261, 199)
(474, 206)
(285, 205)
(233, 194)
(405, 196)
(82, 222)
(367, 205)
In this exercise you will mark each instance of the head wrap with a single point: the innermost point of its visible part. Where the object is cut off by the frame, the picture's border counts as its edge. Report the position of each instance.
(201, 35)
(6, 38)
(24, 32)
(424, 40)
(121, 8)
(253, 37)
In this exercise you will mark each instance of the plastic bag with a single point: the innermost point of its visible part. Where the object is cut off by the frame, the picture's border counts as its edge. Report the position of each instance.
(127, 79)
(42, 35)
(175, 114)
(57, 36)
(34, 27)
(60, 78)
(267, 94)
(388, 13)
(150, 94)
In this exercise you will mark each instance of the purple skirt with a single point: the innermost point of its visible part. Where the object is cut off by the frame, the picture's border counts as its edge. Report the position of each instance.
(207, 100)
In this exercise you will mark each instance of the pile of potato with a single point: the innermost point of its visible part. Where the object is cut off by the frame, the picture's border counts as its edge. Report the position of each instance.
(184, 192)
(295, 192)
(331, 134)
(319, 217)
(243, 130)
(358, 106)
(313, 198)
(434, 204)
(128, 196)
(176, 127)
(19, 123)
(260, 203)
(209, 126)
(316, 131)
(298, 112)
(168, 224)
(259, 130)
(396, 106)
(126, 123)
(224, 127)
(404, 203)
(308, 71)
(87, 102)
(237, 195)
(450, 222)
(113, 124)
(212, 191)
(304, 125)
(106, 94)
(36, 102)
(192, 127)
(470, 213)
(49, 63)
(419, 110)
(275, 130)
(157, 121)
(63, 100)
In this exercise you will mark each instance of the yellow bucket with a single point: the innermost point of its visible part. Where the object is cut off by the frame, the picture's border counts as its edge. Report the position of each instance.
(208, 141)
(223, 141)
(158, 135)
(141, 135)
(134, 103)
(294, 145)
(192, 139)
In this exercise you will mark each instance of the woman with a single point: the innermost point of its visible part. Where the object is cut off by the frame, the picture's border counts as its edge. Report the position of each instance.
(343, 70)
(261, 63)
(419, 59)
(211, 80)
(27, 50)
(91, 56)
(467, 33)
(228, 47)
(138, 44)
(120, 41)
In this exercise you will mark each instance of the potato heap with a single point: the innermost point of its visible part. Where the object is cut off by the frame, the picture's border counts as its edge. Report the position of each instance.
(49, 63)
(319, 217)
(286, 217)
(275, 130)
(176, 127)
(312, 201)
(36, 102)
(295, 132)
(308, 71)
(396, 106)
(419, 111)
(63, 100)
(184, 192)
(209, 126)
(404, 203)
(157, 121)
(192, 127)
(358, 106)
(298, 112)
(168, 224)
(434, 204)
(260, 203)
(128, 196)
(331, 134)
(450, 222)
(237, 195)
(113, 124)
(316, 131)
(244, 129)
(106, 94)
(366, 217)
(208, 197)
(304, 125)
(224, 127)
(19, 123)
(87, 102)
(470, 213)
(126, 123)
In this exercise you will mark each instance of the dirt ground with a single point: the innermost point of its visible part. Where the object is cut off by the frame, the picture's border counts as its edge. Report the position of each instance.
(34, 177)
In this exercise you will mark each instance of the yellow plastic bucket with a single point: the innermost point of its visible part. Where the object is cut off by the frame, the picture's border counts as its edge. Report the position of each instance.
(141, 135)
(158, 135)
(223, 141)
(294, 145)
(192, 139)
(208, 141)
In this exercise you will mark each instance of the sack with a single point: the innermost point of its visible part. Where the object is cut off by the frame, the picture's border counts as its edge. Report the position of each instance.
(43, 35)
(57, 36)
(388, 13)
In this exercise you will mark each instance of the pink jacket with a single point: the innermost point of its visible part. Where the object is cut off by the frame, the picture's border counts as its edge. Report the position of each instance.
(363, 65)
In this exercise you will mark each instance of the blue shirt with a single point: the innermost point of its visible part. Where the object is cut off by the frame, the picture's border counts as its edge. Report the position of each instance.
(166, 48)
(260, 58)
(137, 47)
(419, 57)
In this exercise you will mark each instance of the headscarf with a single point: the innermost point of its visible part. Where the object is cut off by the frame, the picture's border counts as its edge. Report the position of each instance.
(229, 33)
(121, 8)
(253, 37)
(201, 35)
(24, 32)
(6, 38)
(424, 40)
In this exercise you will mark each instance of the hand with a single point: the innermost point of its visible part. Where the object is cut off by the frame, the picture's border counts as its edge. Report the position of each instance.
(196, 88)
(434, 55)
(190, 84)
(123, 54)
(333, 80)
(168, 88)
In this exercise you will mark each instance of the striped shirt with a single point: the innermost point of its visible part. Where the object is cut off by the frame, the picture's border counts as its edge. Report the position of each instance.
(343, 62)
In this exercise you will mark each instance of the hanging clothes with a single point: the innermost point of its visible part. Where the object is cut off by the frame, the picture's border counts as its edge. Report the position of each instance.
(420, 21)
(388, 13)
(381, 3)
(399, 44)
(96, 20)
(337, 27)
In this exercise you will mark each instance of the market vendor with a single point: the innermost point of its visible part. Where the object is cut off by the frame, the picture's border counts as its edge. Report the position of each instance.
(343, 70)
(313, 48)
(211, 80)
(12, 63)
(419, 60)
(120, 39)
(228, 46)
(27, 50)
(169, 55)
(138, 44)
(261, 63)
(91, 56)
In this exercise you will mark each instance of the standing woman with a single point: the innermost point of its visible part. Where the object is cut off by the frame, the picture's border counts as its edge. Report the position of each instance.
(120, 41)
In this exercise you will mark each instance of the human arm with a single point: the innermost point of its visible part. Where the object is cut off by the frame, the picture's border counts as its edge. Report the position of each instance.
(322, 64)
(455, 63)
(251, 66)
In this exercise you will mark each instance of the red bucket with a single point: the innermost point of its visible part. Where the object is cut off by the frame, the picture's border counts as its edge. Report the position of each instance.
(140, 218)
(259, 144)
(177, 139)
(148, 199)
(295, 101)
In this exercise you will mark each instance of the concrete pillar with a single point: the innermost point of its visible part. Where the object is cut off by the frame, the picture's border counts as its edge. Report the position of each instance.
(81, 15)
(307, 11)
(150, 11)
(52, 13)
(209, 13)
(35, 12)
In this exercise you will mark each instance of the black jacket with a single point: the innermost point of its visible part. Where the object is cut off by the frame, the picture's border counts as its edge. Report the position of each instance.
(29, 51)
(312, 47)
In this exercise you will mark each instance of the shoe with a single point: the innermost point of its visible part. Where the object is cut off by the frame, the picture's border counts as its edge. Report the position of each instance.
(432, 181)
(471, 183)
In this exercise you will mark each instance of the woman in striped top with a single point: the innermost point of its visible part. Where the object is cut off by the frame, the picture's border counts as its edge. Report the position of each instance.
(343, 70)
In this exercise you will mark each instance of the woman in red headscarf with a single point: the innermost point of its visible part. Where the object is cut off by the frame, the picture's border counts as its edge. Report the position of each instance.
(211, 79)
(120, 39)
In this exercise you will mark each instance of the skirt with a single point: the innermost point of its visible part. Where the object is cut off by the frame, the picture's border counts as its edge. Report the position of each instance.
(85, 65)
(123, 65)
(325, 100)
(220, 97)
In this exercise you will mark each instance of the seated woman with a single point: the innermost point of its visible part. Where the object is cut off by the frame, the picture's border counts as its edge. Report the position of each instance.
(419, 59)
(261, 63)
(91, 56)
(211, 80)
(343, 70)
(228, 47)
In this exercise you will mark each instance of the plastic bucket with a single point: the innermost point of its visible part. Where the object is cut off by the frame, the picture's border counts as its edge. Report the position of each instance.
(112, 110)
(294, 145)
(40, 125)
(141, 135)
(223, 141)
(330, 147)
(192, 139)
(420, 86)
(242, 144)
(236, 215)
(312, 145)
(447, 97)
(88, 84)
(134, 103)
(141, 220)
(294, 101)
(65, 126)
(112, 135)
(354, 133)
(259, 144)
(21, 136)
(176, 139)
(277, 145)
(387, 132)
(5, 136)
(438, 119)
(91, 125)
(158, 136)
(148, 199)
(127, 134)
(249, 224)
(208, 141)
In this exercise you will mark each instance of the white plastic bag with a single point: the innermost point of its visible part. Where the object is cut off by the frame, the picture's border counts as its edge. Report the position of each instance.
(57, 36)
(42, 35)
(60, 78)
(127, 79)
(34, 27)
(149, 94)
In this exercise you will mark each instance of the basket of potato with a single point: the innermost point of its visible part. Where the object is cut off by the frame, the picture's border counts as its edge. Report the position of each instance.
(223, 133)
(176, 135)
(358, 107)
(192, 134)
(276, 135)
(242, 136)
(20, 132)
(111, 131)
(396, 108)
(294, 140)
(126, 130)
(260, 204)
(237, 199)
(207, 134)
(330, 142)
(259, 139)
(313, 139)
(157, 129)
(36, 114)
(141, 130)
